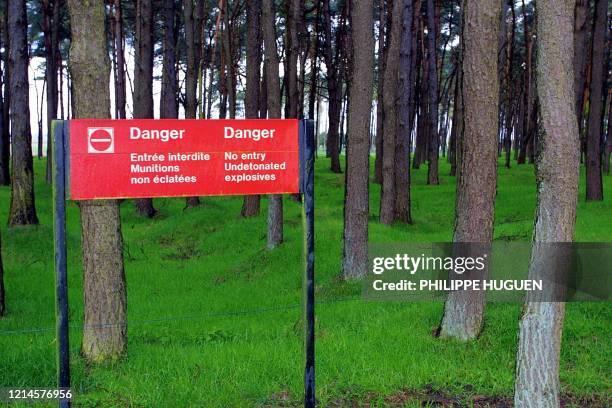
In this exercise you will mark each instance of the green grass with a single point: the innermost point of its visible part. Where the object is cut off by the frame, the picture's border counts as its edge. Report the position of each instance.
(215, 318)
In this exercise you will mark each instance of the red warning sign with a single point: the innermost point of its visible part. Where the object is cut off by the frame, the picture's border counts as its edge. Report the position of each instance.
(174, 158)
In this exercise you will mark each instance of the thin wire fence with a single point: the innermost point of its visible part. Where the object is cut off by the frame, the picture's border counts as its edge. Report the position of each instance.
(201, 316)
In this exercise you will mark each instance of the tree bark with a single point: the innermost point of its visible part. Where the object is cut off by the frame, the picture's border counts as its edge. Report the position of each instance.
(230, 74)
(120, 93)
(50, 12)
(557, 171)
(527, 91)
(23, 209)
(457, 129)
(581, 28)
(334, 86)
(390, 98)
(314, 69)
(594, 182)
(509, 82)
(105, 299)
(356, 196)
(406, 107)
(275, 202)
(432, 90)
(169, 92)
(292, 53)
(192, 30)
(476, 184)
(608, 146)
(251, 203)
(379, 92)
(143, 79)
(5, 142)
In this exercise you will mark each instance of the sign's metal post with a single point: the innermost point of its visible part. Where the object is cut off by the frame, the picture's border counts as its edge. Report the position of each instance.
(307, 158)
(59, 130)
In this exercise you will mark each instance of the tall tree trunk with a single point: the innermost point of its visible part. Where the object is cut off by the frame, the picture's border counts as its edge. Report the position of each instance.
(581, 29)
(251, 203)
(192, 30)
(608, 145)
(422, 142)
(314, 69)
(23, 209)
(537, 363)
(594, 182)
(390, 97)
(120, 92)
(457, 129)
(356, 196)
(229, 62)
(50, 12)
(527, 91)
(434, 137)
(5, 155)
(143, 79)
(5, 140)
(5, 143)
(476, 184)
(168, 101)
(334, 86)
(509, 82)
(379, 92)
(404, 126)
(275, 202)
(105, 327)
(293, 50)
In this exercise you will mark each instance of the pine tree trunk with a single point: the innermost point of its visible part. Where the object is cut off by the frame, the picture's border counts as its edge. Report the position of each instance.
(105, 299)
(5, 143)
(191, 81)
(608, 147)
(390, 97)
(510, 95)
(229, 62)
(476, 184)
(594, 182)
(5, 153)
(406, 107)
(432, 90)
(537, 363)
(120, 92)
(334, 88)
(457, 129)
(380, 115)
(275, 202)
(251, 204)
(50, 12)
(169, 94)
(581, 28)
(143, 79)
(527, 91)
(356, 197)
(314, 57)
(293, 50)
(23, 209)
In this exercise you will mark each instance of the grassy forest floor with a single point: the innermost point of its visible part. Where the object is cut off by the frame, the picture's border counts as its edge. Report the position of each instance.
(215, 319)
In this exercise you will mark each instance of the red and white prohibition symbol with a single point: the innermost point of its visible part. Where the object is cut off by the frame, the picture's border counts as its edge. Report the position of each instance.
(100, 140)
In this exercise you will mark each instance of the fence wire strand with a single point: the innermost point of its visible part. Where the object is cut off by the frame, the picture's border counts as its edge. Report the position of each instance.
(130, 323)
